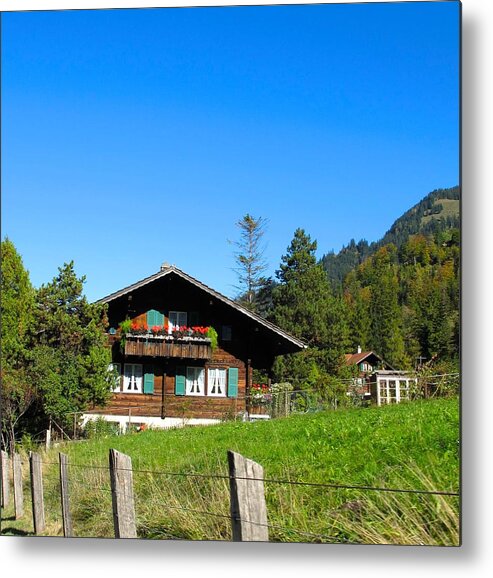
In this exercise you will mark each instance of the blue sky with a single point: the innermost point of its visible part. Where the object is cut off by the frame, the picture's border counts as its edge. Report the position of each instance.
(133, 137)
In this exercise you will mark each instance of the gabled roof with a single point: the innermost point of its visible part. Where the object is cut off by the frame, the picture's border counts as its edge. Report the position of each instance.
(356, 358)
(172, 269)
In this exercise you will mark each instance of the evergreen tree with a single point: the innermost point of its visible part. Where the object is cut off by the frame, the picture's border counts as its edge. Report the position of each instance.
(264, 300)
(385, 313)
(17, 301)
(250, 262)
(300, 298)
(357, 299)
(304, 305)
(70, 357)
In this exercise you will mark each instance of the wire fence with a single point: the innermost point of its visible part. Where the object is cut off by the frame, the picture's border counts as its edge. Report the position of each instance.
(281, 402)
(284, 402)
(84, 486)
(264, 480)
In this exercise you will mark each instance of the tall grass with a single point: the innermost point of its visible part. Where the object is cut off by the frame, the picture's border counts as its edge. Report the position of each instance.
(410, 446)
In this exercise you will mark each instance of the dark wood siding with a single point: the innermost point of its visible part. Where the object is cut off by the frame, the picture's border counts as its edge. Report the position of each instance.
(180, 406)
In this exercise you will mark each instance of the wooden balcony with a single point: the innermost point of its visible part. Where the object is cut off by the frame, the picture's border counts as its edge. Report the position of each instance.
(154, 346)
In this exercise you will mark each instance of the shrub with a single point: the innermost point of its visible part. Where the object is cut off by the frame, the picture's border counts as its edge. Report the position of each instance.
(212, 335)
(100, 428)
(281, 398)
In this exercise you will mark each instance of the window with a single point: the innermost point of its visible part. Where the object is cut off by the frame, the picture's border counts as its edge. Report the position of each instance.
(132, 378)
(216, 382)
(195, 381)
(176, 319)
(383, 395)
(114, 370)
(404, 389)
(392, 391)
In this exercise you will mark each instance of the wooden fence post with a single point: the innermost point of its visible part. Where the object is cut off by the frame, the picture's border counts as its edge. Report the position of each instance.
(122, 495)
(64, 494)
(248, 508)
(18, 493)
(5, 480)
(37, 492)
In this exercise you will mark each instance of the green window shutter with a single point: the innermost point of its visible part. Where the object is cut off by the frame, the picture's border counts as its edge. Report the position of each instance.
(148, 381)
(193, 318)
(150, 318)
(154, 318)
(233, 382)
(180, 380)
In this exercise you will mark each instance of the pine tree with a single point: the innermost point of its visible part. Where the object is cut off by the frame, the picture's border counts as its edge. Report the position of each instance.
(300, 298)
(250, 262)
(385, 313)
(70, 354)
(304, 305)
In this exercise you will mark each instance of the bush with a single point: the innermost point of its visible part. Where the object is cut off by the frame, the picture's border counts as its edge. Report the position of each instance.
(281, 399)
(27, 443)
(100, 428)
(212, 335)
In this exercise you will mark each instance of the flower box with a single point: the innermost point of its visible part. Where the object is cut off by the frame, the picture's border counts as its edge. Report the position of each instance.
(149, 345)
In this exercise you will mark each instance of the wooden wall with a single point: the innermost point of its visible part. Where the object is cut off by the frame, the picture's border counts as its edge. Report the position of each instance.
(182, 406)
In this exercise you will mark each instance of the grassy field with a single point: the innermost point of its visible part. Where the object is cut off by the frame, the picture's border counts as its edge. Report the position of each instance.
(408, 446)
(450, 208)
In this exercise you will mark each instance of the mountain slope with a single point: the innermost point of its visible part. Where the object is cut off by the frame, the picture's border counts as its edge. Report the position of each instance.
(436, 212)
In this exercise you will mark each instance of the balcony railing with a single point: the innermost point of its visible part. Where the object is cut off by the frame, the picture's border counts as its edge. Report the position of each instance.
(168, 346)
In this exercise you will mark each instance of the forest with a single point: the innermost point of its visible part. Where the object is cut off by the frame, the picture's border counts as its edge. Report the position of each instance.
(399, 296)
(436, 212)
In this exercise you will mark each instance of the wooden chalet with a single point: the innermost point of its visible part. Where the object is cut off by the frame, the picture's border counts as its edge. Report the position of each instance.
(377, 380)
(168, 370)
(366, 361)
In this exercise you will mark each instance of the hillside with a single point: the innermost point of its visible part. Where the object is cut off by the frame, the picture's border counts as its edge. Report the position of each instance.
(436, 212)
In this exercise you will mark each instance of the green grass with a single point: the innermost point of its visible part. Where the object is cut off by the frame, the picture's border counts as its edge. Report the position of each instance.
(450, 208)
(409, 446)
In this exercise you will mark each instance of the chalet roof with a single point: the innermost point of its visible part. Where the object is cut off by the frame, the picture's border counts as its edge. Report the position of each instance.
(356, 358)
(172, 269)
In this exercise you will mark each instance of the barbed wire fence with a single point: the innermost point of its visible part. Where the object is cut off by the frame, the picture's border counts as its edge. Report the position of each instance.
(60, 482)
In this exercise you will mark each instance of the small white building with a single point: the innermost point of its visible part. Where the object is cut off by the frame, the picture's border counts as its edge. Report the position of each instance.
(391, 386)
